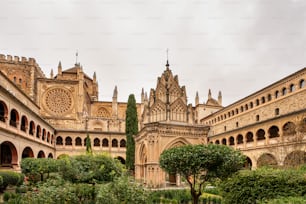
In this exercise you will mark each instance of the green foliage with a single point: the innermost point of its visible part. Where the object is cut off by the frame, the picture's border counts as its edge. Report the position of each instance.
(90, 169)
(262, 184)
(131, 129)
(57, 191)
(122, 190)
(201, 163)
(180, 196)
(10, 178)
(286, 200)
(88, 145)
(35, 169)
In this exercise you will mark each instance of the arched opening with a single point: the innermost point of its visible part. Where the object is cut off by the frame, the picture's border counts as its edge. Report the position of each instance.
(41, 154)
(43, 134)
(273, 132)
(239, 139)
(260, 134)
(114, 143)
(32, 128)
(14, 118)
(224, 141)
(143, 163)
(276, 94)
(96, 142)
(27, 152)
(68, 141)
(248, 163)
(122, 143)
(50, 155)
(3, 111)
(269, 97)
(266, 159)
(78, 141)
(38, 131)
(292, 88)
(48, 137)
(295, 158)
(217, 142)
(105, 142)
(122, 161)
(52, 138)
(249, 137)
(231, 141)
(289, 129)
(284, 91)
(9, 155)
(59, 140)
(24, 123)
(302, 83)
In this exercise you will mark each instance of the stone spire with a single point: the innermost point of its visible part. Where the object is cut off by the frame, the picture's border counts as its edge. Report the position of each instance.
(142, 95)
(209, 94)
(59, 68)
(167, 65)
(220, 98)
(94, 77)
(115, 94)
(51, 74)
(197, 100)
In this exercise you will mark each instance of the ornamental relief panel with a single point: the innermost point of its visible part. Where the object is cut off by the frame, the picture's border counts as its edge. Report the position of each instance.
(58, 101)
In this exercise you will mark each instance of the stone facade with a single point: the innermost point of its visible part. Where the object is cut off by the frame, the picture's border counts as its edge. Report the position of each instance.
(50, 116)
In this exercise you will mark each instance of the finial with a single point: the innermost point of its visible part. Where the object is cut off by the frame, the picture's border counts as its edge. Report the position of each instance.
(209, 94)
(76, 57)
(167, 65)
(51, 74)
(60, 65)
(115, 92)
(94, 77)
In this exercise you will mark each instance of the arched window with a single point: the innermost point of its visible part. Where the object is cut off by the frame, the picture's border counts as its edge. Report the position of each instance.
(43, 134)
(249, 137)
(217, 142)
(276, 94)
(3, 111)
(251, 105)
(59, 140)
(122, 143)
(38, 131)
(277, 111)
(246, 107)
(263, 100)
(48, 137)
(273, 131)
(237, 111)
(14, 118)
(24, 123)
(32, 128)
(114, 143)
(257, 118)
(241, 108)
(224, 141)
(289, 128)
(105, 142)
(260, 134)
(292, 88)
(302, 83)
(284, 91)
(78, 141)
(269, 97)
(96, 142)
(257, 102)
(239, 139)
(68, 141)
(231, 141)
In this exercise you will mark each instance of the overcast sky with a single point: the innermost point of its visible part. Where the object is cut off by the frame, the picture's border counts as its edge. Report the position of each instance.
(235, 46)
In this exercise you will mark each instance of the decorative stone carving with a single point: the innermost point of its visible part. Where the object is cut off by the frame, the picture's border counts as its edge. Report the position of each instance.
(58, 101)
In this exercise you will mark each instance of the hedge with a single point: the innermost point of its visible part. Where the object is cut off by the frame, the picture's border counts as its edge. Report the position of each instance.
(10, 178)
(263, 184)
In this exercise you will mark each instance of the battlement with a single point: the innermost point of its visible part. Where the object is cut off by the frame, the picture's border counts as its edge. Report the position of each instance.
(17, 59)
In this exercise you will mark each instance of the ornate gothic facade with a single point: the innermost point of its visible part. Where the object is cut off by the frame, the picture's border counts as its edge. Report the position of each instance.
(50, 116)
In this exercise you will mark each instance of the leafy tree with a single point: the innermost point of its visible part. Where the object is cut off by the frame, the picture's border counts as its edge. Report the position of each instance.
(201, 163)
(88, 145)
(131, 129)
(35, 169)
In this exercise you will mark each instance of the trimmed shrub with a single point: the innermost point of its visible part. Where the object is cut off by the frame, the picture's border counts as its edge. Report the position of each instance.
(181, 196)
(286, 200)
(262, 184)
(10, 178)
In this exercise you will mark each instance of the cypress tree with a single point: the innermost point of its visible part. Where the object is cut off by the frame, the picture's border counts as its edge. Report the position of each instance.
(131, 129)
(88, 145)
